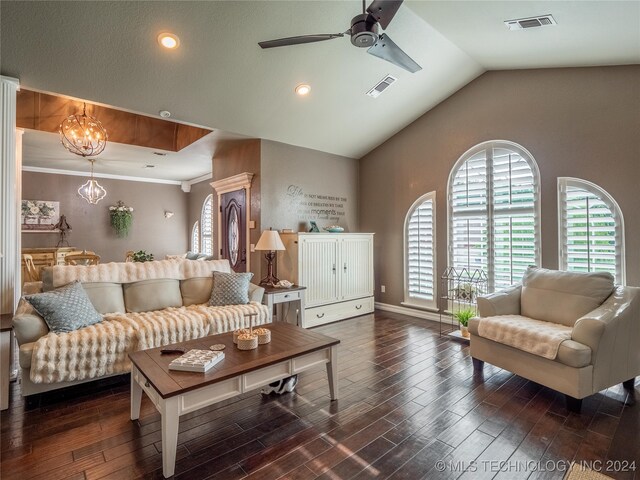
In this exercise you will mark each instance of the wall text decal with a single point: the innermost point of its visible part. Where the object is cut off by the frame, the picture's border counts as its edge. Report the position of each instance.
(316, 206)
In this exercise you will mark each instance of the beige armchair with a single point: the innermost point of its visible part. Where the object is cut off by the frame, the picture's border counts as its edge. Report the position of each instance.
(573, 332)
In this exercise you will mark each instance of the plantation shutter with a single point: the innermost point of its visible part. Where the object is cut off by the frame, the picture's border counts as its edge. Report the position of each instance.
(420, 253)
(591, 230)
(494, 224)
(195, 238)
(207, 226)
(469, 229)
(514, 217)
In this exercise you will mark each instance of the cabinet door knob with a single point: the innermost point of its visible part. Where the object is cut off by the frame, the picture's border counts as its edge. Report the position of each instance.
(345, 267)
(286, 296)
(319, 315)
(358, 307)
(146, 384)
(334, 268)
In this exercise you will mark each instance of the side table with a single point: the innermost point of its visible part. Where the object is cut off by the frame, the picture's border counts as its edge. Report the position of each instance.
(6, 358)
(277, 296)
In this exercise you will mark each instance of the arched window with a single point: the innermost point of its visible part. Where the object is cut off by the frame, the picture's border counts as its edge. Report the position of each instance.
(591, 229)
(195, 238)
(420, 253)
(206, 220)
(494, 219)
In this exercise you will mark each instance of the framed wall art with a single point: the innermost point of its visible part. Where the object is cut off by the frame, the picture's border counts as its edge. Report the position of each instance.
(39, 216)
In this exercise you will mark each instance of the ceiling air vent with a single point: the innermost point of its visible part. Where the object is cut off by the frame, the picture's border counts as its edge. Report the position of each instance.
(531, 22)
(381, 86)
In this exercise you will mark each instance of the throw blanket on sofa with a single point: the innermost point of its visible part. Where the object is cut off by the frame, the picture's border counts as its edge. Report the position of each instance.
(127, 272)
(524, 333)
(103, 349)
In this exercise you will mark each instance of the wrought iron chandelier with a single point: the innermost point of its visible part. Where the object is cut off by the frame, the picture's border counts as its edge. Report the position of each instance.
(83, 134)
(92, 191)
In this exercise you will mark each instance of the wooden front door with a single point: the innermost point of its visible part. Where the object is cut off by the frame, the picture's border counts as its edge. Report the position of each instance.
(233, 223)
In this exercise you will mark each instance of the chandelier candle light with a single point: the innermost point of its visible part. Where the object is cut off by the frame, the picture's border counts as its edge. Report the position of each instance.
(83, 134)
(270, 242)
(92, 191)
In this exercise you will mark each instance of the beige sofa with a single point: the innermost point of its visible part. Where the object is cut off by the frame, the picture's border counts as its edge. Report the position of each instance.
(573, 332)
(143, 306)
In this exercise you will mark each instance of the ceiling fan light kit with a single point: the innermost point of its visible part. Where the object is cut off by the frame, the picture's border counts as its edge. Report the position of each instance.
(364, 33)
(364, 30)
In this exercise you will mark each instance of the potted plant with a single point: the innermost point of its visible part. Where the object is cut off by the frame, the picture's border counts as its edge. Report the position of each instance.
(463, 317)
(142, 256)
(121, 218)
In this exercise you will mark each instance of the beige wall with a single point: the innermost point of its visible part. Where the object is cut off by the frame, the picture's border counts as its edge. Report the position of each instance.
(299, 184)
(151, 231)
(580, 122)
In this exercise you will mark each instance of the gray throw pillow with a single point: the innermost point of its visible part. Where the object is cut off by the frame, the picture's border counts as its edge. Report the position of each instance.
(65, 309)
(230, 289)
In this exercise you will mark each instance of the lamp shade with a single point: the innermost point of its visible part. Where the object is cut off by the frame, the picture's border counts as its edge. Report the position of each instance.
(270, 240)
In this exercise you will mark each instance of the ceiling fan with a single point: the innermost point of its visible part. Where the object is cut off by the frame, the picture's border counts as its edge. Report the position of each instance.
(364, 33)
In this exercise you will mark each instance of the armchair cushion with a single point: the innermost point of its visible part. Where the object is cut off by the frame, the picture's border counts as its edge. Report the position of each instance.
(570, 352)
(562, 297)
(526, 334)
(504, 302)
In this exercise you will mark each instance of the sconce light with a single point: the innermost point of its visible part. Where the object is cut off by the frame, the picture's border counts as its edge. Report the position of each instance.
(168, 214)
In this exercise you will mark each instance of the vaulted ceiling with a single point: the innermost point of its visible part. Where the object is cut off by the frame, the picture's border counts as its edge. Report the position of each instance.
(219, 78)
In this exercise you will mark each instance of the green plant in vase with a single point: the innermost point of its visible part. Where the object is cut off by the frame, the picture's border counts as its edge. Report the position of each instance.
(121, 218)
(463, 317)
(142, 256)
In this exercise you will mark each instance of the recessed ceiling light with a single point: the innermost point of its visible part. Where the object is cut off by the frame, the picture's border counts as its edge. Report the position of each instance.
(168, 40)
(165, 113)
(303, 89)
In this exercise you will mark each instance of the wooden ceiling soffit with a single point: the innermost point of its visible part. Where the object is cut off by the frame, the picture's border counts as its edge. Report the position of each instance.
(44, 112)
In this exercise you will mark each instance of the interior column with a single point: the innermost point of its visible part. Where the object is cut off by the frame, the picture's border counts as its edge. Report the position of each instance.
(10, 193)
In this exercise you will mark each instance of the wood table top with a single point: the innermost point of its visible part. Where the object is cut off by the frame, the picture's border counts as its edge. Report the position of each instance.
(5, 322)
(292, 288)
(287, 341)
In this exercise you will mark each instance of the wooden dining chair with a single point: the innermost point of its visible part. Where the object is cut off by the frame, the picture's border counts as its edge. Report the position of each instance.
(82, 259)
(32, 272)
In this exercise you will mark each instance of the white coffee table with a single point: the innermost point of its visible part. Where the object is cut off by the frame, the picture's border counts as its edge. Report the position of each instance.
(292, 350)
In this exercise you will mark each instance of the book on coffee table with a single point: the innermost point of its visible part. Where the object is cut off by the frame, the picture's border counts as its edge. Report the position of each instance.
(196, 361)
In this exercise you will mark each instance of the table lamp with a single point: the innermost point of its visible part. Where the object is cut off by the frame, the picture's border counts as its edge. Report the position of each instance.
(270, 242)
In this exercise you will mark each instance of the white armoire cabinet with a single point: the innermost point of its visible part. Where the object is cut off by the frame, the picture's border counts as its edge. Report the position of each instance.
(336, 268)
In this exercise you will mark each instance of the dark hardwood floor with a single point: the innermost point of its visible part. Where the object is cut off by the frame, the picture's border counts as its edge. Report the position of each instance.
(409, 400)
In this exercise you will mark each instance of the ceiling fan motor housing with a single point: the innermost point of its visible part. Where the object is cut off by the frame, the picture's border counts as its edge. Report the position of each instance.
(364, 30)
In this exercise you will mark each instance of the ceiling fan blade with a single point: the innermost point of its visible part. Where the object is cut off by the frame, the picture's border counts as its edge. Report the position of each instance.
(387, 50)
(284, 42)
(384, 10)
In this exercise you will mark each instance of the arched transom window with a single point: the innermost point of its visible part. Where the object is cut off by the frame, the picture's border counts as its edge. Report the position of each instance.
(206, 220)
(494, 220)
(420, 253)
(195, 237)
(591, 229)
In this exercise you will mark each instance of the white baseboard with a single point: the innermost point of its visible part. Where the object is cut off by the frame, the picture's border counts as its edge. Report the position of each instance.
(412, 312)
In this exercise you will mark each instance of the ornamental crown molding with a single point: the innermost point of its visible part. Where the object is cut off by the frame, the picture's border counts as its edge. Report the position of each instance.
(231, 184)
